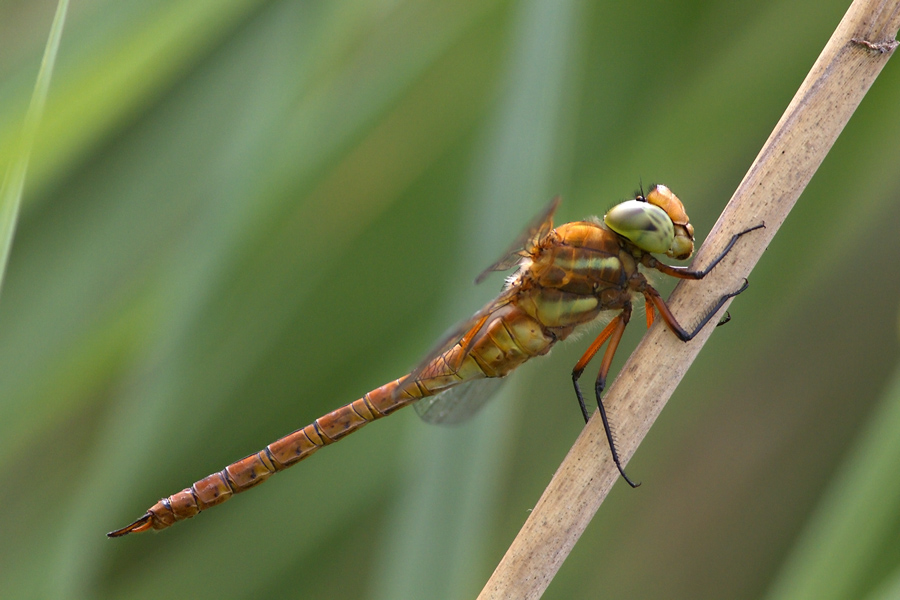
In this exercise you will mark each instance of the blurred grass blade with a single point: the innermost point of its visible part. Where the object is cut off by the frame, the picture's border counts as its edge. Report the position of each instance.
(14, 180)
(457, 472)
(889, 588)
(837, 553)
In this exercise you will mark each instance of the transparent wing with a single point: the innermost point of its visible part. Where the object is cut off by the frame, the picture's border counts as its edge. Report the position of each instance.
(461, 333)
(536, 230)
(468, 397)
(458, 403)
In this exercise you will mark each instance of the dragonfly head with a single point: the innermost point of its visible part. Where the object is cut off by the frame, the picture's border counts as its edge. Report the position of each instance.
(682, 245)
(656, 223)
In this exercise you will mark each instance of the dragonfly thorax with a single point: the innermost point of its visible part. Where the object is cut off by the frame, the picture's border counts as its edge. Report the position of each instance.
(578, 270)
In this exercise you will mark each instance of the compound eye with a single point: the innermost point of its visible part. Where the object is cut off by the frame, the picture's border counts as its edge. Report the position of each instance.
(647, 226)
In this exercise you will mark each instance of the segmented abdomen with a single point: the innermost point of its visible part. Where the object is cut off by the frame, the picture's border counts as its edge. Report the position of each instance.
(497, 343)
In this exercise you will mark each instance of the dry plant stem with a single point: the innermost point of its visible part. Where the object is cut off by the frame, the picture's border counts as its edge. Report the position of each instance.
(847, 67)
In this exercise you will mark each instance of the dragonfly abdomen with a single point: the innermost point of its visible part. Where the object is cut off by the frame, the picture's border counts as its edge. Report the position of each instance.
(509, 337)
(281, 454)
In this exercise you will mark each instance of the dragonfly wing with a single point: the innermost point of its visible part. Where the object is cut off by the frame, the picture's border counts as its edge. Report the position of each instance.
(458, 403)
(456, 335)
(474, 392)
(536, 230)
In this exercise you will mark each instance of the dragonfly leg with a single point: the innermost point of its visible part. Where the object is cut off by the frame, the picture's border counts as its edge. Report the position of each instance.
(587, 357)
(648, 309)
(609, 435)
(686, 272)
(613, 332)
(684, 335)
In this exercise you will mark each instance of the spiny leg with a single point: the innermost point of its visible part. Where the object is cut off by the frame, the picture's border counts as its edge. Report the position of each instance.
(686, 272)
(600, 384)
(653, 298)
(587, 357)
(613, 331)
(685, 336)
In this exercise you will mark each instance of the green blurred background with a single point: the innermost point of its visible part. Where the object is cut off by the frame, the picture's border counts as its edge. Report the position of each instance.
(241, 214)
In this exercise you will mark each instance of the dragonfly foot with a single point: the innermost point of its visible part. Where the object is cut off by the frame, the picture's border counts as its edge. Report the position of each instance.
(609, 434)
(625, 477)
(740, 290)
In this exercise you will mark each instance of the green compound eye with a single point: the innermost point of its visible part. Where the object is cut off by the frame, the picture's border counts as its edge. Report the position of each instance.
(645, 225)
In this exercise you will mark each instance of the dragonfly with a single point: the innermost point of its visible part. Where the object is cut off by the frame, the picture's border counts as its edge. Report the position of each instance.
(565, 277)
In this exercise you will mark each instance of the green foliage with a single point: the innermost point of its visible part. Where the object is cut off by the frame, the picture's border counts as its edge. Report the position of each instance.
(14, 179)
(240, 215)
